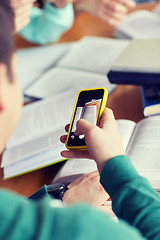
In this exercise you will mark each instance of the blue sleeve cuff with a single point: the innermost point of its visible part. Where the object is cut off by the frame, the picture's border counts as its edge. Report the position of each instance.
(41, 193)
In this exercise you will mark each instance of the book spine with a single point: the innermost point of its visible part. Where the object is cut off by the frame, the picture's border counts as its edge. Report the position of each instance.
(134, 78)
(143, 100)
(151, 100)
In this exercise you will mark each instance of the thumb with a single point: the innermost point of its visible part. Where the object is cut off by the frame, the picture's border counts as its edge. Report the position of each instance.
(83, 127)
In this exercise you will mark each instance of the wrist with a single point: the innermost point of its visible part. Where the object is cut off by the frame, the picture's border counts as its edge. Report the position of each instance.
(101, 164)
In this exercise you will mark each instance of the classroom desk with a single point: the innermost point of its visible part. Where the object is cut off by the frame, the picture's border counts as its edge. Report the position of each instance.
(125, 101)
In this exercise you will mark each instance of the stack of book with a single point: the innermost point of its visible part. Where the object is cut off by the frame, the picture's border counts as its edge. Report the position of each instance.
(139, 64)
(151, 100)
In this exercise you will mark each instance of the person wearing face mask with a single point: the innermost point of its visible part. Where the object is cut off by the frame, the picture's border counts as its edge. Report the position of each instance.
(42, 25)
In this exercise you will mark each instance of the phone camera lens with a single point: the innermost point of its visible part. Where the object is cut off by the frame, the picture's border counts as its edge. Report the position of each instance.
(72, 136)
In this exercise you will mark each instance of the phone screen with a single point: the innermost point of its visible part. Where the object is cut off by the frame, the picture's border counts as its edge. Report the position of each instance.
(88, 108)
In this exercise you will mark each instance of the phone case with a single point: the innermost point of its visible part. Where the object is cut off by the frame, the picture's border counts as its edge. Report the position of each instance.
(102, 107)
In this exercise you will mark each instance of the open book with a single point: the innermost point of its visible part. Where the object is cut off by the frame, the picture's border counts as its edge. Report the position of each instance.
(33, 62)
(88, 59)
(35, 142)
(139, 24)
(141, 142)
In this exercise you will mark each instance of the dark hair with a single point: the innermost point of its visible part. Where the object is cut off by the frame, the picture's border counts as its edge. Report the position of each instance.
(6, 33)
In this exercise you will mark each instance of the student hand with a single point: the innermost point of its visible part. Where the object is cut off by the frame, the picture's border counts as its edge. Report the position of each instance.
(88, 189)
(110, 11)
(61, 3)
(103, 142)
(21, 10)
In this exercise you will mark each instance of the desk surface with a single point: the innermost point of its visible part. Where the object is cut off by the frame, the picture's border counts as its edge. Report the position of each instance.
(125, 101)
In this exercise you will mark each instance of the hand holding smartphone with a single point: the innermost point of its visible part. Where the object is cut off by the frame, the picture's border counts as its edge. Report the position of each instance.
(89, 105)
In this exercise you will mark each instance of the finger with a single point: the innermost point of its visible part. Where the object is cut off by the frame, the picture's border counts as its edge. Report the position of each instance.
(75, 154)
(21, 24)
(107, 115)
(82, 127)
(113, 16)
(22, 16)
(114, 7)
(20, 3)
(21, 10)
(67, 127)
(127, 3)
(63, 138)
(110, 17)
(21, 20)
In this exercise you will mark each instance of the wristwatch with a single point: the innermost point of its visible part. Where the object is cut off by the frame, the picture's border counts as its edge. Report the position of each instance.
(57, 190)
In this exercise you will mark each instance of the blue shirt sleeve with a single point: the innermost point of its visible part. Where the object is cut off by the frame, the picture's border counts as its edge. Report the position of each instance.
(41, 193)
(133, 198)
(27, 219)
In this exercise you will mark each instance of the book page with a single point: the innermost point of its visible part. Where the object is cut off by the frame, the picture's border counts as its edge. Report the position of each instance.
(140, 56)
(144, 149)
(126, 128)
(73, 169)
(42, 117)
(93, 54)
(31, 148)
(33, 62)
(59, 80)
(37, 161)
(139, 24)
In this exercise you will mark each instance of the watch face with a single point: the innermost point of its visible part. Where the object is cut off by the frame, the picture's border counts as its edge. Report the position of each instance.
(57, 190)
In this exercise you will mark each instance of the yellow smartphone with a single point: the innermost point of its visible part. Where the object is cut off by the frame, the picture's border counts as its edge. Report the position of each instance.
(89, 105)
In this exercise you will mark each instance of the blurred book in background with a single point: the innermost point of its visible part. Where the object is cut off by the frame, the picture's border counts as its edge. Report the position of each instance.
(139, 24)
(151, 100)
(138, 64)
